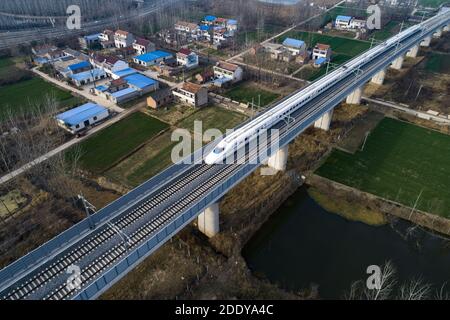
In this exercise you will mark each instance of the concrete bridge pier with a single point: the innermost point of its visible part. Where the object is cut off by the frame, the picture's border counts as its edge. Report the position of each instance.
(379, 77)
(438, 33)
(412, 53)
(208, 220)
(324, 121)
(278, 160)
(355, 96)
(398, 63)
(426, 42)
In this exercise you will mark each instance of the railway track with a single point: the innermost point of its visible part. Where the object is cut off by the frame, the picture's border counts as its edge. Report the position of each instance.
(105, 249)
(9, 39)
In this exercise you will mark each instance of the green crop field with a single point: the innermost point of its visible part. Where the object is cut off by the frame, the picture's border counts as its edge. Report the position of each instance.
(28, 93)
(105, 148)
(346, 46)
(438, 63)
(246, 93)
(213, 117)
(400, 161)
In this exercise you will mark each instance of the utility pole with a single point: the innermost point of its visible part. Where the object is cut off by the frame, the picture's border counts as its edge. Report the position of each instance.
(87, 208)
(125, 238)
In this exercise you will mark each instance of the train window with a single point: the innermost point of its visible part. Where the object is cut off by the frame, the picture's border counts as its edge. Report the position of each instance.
(218, 150)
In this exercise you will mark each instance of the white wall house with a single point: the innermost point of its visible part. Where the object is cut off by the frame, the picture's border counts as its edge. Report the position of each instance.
(321, 51)
(142, 46)
(192, 94)
(187, 58)
(123, 39)
(228, 70)
(109, 64)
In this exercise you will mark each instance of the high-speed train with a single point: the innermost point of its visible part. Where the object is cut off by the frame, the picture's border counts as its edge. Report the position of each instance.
(235, 140)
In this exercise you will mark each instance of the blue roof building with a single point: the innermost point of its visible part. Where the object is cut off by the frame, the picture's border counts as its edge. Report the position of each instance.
(342, 22)
(293, 43)
(152, 58)
(141, 82)
(210, 18)
(78, 66)
(124, 95)
(344, 18)
(80, 117)
(89, 76)
(320, 62)
(232, 22)
(124, 73)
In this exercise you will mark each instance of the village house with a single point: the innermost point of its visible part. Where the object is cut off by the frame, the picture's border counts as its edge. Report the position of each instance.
(321, 51)
(160, 99)
(294, 46)
(342, 22)
(358, 24)
(88, 41)
(186, 27)
(117, 85)
(152, 58)
(107, 39)
(227, 72)
(47, 53)
(79, 118)
(109, 64)
(204, 76)
(87, 77)
(275, 50)
(192, 94)
(142, 46)
(187, 58)
(123, 39)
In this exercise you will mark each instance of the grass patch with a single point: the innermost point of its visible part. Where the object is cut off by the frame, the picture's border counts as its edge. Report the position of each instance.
(345, 46)
(246, 92)
(348, 210)
(399, 162)
(438, 63)
(10, 202)
(105, 148)
(385, 32)
(25, 94)
(213, 117)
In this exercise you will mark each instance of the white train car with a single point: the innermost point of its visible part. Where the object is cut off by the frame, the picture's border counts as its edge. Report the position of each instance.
(252, 130)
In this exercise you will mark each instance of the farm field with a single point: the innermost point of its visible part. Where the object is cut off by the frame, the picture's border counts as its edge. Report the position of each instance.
(246, 92)
(400, 162)
(341, 45)
(213, 117)
(438, 63)
(28, 93)
(107, 147)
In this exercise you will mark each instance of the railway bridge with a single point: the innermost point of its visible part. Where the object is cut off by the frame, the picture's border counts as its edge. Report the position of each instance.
(111, 242)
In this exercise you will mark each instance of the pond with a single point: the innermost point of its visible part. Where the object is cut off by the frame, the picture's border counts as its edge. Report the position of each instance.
(302, 245)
